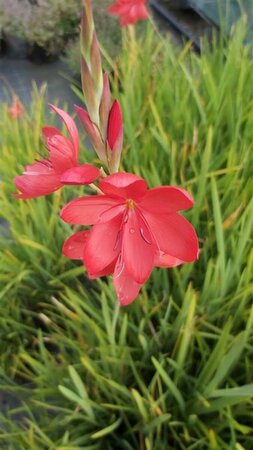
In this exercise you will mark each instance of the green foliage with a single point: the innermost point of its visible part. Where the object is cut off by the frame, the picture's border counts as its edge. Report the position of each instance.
(173, 370)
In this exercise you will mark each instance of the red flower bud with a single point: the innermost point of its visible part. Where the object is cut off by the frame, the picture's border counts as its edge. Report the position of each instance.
(115, 126)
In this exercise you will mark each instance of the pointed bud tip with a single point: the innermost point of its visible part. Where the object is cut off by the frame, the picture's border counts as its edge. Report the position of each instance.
(115, 124)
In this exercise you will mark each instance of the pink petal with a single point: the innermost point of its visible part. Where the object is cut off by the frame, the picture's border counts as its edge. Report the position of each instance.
(129, 11)
(124, 185)
(138, 12)
(89, 127)
(93, 133)
(85, 174)
(73, 247)
(103, 246)
(110, 213)
(16, 110)
(115, 125)
(49, 132)
(137, 247)
(43, 167)
(87, 210)
(114, 9)
(71, 126)
(61, 153)
(108, 270)
(174, 235)
(126, 288)
(122, 8)
(32, 186)
(165, 260)
(166, 199)
(85, 119)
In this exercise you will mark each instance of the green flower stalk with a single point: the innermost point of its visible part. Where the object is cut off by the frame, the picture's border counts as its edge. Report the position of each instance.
(91, 68)
(103, 119)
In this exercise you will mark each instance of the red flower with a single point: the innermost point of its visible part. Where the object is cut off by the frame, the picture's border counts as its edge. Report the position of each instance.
(16, 109)
(134, 229)
(49, 174)
(129, 11)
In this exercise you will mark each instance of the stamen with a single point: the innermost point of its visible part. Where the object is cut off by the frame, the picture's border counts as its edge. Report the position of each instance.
(119, 267)
(144, 237)
(117, 242)
(130, 203)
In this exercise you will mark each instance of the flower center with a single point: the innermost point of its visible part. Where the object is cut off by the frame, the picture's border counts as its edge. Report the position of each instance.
(130, 203)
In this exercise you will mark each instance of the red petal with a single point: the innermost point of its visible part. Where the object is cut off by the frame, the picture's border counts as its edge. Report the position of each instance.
(71, 126)
(93, 133)
(137, 247)
(114, 9)
(103, 246)
(111, 213)
(16, 110)
(43, 167)
(108, 270)
(166, 199)
(61, 153)
(165, 260)
(89, 126)
(138, 12)
(126, 288)
(85, 119)
(124, 185)
(32, 186)
(115, 125)
(49, 132)
(73, 247)
(87, 210)
(174, 235)
(129, 12)
(85, 174)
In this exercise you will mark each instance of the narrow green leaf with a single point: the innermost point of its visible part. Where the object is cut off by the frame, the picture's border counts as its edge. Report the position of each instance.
(107, 430)
(170, 384)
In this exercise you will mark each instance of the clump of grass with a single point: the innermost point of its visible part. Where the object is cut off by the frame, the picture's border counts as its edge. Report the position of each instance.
(32, 233)
(172, 371)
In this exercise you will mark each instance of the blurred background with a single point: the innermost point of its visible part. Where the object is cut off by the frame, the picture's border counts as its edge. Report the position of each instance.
(39, 39)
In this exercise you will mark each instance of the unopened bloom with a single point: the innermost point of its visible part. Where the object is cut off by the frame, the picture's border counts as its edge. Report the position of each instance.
(129, 11)
(134, 229)
(115, 126)
(61, 167)
(16, 109)
(109, 147)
